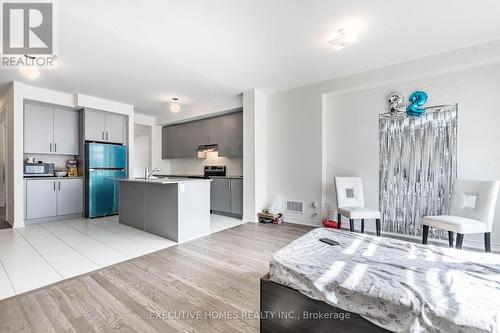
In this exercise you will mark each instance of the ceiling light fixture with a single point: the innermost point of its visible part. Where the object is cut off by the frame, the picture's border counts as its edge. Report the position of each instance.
(174, 106)
(30, 72)
(345, 36)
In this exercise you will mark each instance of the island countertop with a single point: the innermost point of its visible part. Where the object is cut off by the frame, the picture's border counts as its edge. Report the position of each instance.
(165, 180)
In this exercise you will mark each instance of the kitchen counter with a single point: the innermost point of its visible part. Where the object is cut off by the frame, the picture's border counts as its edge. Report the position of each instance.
(49, 178)
(165, 180)
(175, 208)
(202, 176)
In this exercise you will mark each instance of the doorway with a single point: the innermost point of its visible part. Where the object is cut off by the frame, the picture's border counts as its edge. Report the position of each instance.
(3, 193)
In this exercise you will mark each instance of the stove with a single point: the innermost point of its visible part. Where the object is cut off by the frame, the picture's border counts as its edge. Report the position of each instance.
(214, 171)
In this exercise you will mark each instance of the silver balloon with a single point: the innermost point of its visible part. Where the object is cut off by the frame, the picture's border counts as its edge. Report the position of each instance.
(396, 102)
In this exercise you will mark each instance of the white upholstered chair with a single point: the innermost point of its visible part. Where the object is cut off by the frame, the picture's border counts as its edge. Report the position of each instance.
(472, 210)
(351, 203)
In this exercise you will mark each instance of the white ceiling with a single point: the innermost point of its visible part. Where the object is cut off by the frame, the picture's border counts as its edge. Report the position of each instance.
(146, 52)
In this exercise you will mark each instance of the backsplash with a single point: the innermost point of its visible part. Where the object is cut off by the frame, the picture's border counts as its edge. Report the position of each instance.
(58, 160)
(195, 165)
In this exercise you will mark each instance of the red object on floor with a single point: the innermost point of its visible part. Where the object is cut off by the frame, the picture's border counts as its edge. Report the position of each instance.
(331, 224)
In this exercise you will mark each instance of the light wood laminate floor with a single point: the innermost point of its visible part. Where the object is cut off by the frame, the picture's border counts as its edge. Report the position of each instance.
(206, 285)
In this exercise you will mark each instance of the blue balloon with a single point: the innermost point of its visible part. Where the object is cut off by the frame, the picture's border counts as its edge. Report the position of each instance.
(417, 99)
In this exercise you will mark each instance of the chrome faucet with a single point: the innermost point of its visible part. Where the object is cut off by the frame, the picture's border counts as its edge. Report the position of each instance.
(148, 173)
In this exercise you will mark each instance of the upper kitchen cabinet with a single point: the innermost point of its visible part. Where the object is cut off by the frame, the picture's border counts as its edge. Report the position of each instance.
(50, 130)
(105, 126)
(182, 140)
(231, 135)
(66, 131)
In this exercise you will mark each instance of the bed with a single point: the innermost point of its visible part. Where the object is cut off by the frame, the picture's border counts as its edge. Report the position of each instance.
(380, 284)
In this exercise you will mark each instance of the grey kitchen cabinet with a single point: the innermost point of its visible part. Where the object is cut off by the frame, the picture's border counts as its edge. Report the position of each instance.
(213, 130)
(95, 125)
(220, 195)
(41, 198)
(53, 197)
(50, 130)
(182, 140)
(105, 126)
(231, 135)
(115, 128)
(66, 132)
(69, 196)
(164, 142)
(226, 196)
(38, 129)
(236, 196)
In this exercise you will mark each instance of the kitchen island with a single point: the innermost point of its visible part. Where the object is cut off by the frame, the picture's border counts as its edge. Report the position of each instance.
(174, 208)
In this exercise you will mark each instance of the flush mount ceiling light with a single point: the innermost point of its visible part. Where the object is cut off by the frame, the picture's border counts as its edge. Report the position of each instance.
(174, 106)
(30, 72)
(346, 35)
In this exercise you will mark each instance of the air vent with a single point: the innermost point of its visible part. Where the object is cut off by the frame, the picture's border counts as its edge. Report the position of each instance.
(294, 206)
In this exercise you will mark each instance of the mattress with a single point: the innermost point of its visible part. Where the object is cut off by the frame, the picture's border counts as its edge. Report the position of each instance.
(397, 285)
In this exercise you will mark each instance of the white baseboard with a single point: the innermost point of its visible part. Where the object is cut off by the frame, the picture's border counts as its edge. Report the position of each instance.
(370, 228)
(303, 221)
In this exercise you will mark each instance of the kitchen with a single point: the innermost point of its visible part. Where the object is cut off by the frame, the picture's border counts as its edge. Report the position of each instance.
(191, 149)
(70, 228)
(74, 160)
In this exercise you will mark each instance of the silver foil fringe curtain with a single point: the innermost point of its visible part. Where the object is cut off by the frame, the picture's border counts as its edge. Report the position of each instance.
(418, 165)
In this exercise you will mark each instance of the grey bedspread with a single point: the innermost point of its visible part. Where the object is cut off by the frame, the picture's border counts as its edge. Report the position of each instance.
(397, 285)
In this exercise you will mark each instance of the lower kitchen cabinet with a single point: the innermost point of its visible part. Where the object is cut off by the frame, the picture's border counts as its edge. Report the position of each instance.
(70, 196)
(47, 198)
(237, 197)
(226, 196)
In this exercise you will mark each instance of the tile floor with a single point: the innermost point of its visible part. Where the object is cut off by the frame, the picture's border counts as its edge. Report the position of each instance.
(41, 254)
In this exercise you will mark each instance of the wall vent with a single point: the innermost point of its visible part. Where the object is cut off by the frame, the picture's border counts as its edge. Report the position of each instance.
(294, 206)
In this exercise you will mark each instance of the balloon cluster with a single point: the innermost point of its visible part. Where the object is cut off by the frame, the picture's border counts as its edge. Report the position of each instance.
(396, 102)
(417, 99)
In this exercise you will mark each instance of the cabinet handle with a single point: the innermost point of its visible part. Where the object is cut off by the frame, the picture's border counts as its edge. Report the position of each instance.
(229, 184)
(59, 185)
(50, 147)
(103, 135)
(54, 186)
(107, 136)
(55, 147)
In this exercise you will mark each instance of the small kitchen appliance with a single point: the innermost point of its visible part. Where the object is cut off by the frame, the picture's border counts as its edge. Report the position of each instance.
(39, 169)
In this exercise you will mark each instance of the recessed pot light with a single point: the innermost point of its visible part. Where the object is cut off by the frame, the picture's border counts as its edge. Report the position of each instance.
(174, 106)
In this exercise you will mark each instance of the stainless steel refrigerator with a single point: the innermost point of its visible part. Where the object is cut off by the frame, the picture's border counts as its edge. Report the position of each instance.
(105, 165)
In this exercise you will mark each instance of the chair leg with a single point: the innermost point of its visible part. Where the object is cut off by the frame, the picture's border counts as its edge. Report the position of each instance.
(351, 225)
(362, 226)
(425, 234)
(460, 240)
(339, 221)
(377, 226)
(487, 242)
(450, 238)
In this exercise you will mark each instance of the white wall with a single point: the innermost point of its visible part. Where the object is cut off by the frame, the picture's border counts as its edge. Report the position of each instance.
(355, 152)
(297, 128)
(203, 110)
(2, 155)
(142, 149)
(255, 154)
(156, 162)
